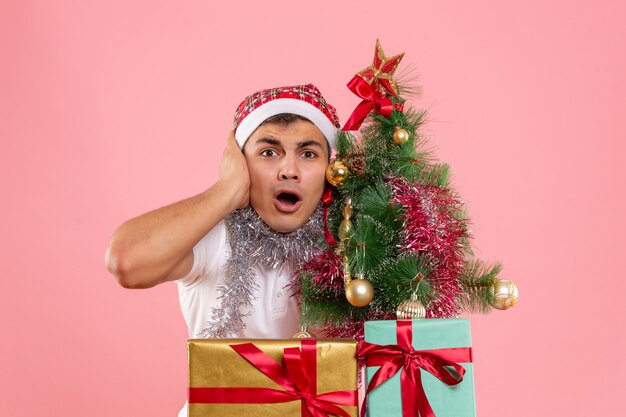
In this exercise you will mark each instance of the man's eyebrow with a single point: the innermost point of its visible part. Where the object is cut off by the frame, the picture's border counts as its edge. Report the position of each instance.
(306, 143)
(270, 141)
(276, 142)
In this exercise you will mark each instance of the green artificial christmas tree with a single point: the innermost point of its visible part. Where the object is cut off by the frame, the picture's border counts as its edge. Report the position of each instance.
(397, 233)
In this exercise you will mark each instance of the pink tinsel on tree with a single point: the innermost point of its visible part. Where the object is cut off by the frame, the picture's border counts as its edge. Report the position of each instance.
(433, 226)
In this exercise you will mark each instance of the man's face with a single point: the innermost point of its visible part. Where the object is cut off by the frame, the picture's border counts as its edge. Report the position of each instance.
(287, 165)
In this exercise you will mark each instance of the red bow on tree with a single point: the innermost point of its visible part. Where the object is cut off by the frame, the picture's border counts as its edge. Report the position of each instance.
(373, 84)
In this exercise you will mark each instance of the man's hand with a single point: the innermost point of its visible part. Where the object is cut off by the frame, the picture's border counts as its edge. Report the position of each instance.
(234, 173)
(158, 246)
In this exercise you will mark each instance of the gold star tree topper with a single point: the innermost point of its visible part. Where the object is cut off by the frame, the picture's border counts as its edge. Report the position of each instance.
(380, 74)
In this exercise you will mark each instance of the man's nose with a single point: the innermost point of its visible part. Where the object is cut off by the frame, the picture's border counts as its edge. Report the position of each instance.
(289, 168)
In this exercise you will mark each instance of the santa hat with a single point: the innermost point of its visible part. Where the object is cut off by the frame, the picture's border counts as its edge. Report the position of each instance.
(303, 100)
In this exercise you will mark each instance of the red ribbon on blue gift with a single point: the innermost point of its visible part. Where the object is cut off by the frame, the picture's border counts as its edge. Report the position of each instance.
(442, 363)
(298, 380)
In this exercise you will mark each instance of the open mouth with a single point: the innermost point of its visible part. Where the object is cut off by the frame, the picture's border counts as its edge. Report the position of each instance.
(287, 201)
(288, 198)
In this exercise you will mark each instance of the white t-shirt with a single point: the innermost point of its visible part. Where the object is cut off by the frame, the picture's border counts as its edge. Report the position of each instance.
(273, 314)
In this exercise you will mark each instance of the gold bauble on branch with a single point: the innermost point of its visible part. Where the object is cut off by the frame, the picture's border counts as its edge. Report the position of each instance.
(337, 172)
(411, 309)
(504, 294)
(347, 210)
(400, 136)
(359, 291)
(345, 229)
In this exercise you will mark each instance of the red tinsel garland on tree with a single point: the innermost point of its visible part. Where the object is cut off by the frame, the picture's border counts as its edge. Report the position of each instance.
(433, 226)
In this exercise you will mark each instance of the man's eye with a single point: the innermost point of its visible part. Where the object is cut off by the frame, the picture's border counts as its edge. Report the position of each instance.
(309, 154)
(269, 152)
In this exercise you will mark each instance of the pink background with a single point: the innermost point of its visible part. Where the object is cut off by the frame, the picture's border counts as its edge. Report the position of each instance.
(111, 108)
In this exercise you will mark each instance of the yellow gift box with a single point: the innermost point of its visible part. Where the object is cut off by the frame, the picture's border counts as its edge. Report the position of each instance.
(281, 378)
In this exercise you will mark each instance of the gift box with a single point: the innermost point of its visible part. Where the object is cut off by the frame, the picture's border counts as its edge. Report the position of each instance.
(282, 378)
(425, 368)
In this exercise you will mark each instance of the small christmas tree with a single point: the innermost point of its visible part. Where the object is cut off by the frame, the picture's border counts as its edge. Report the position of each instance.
(397, 233)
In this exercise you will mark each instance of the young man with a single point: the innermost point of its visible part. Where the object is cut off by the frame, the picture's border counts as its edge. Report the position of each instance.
(232, 248)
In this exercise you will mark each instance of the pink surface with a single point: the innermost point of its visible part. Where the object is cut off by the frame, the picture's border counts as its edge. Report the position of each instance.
(110, 108)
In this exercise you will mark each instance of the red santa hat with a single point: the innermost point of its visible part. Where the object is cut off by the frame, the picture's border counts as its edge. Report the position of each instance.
(303, 100)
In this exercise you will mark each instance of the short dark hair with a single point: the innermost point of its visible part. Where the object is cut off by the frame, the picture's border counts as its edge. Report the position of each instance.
(284, 119)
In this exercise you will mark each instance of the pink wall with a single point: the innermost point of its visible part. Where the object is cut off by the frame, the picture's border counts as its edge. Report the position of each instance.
(110, 108)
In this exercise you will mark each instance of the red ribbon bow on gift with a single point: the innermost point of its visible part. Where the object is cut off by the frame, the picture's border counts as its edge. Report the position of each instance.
(299, 381)
(373, 100)
(392, 358)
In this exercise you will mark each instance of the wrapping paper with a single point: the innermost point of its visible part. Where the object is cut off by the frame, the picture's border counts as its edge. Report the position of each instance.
(213, 363)
(428, 334)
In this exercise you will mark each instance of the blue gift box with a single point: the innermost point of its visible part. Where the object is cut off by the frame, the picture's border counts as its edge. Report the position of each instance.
(428, 334)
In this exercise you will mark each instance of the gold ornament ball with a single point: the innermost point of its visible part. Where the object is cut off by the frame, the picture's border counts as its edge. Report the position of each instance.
(336, 173)
(346, 229)
(347, 211)
(504, 294)
(359, 292)
(411, 309)
(400, 136)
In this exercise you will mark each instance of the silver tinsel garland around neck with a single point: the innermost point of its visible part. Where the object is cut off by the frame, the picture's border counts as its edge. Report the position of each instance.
(252, 242)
